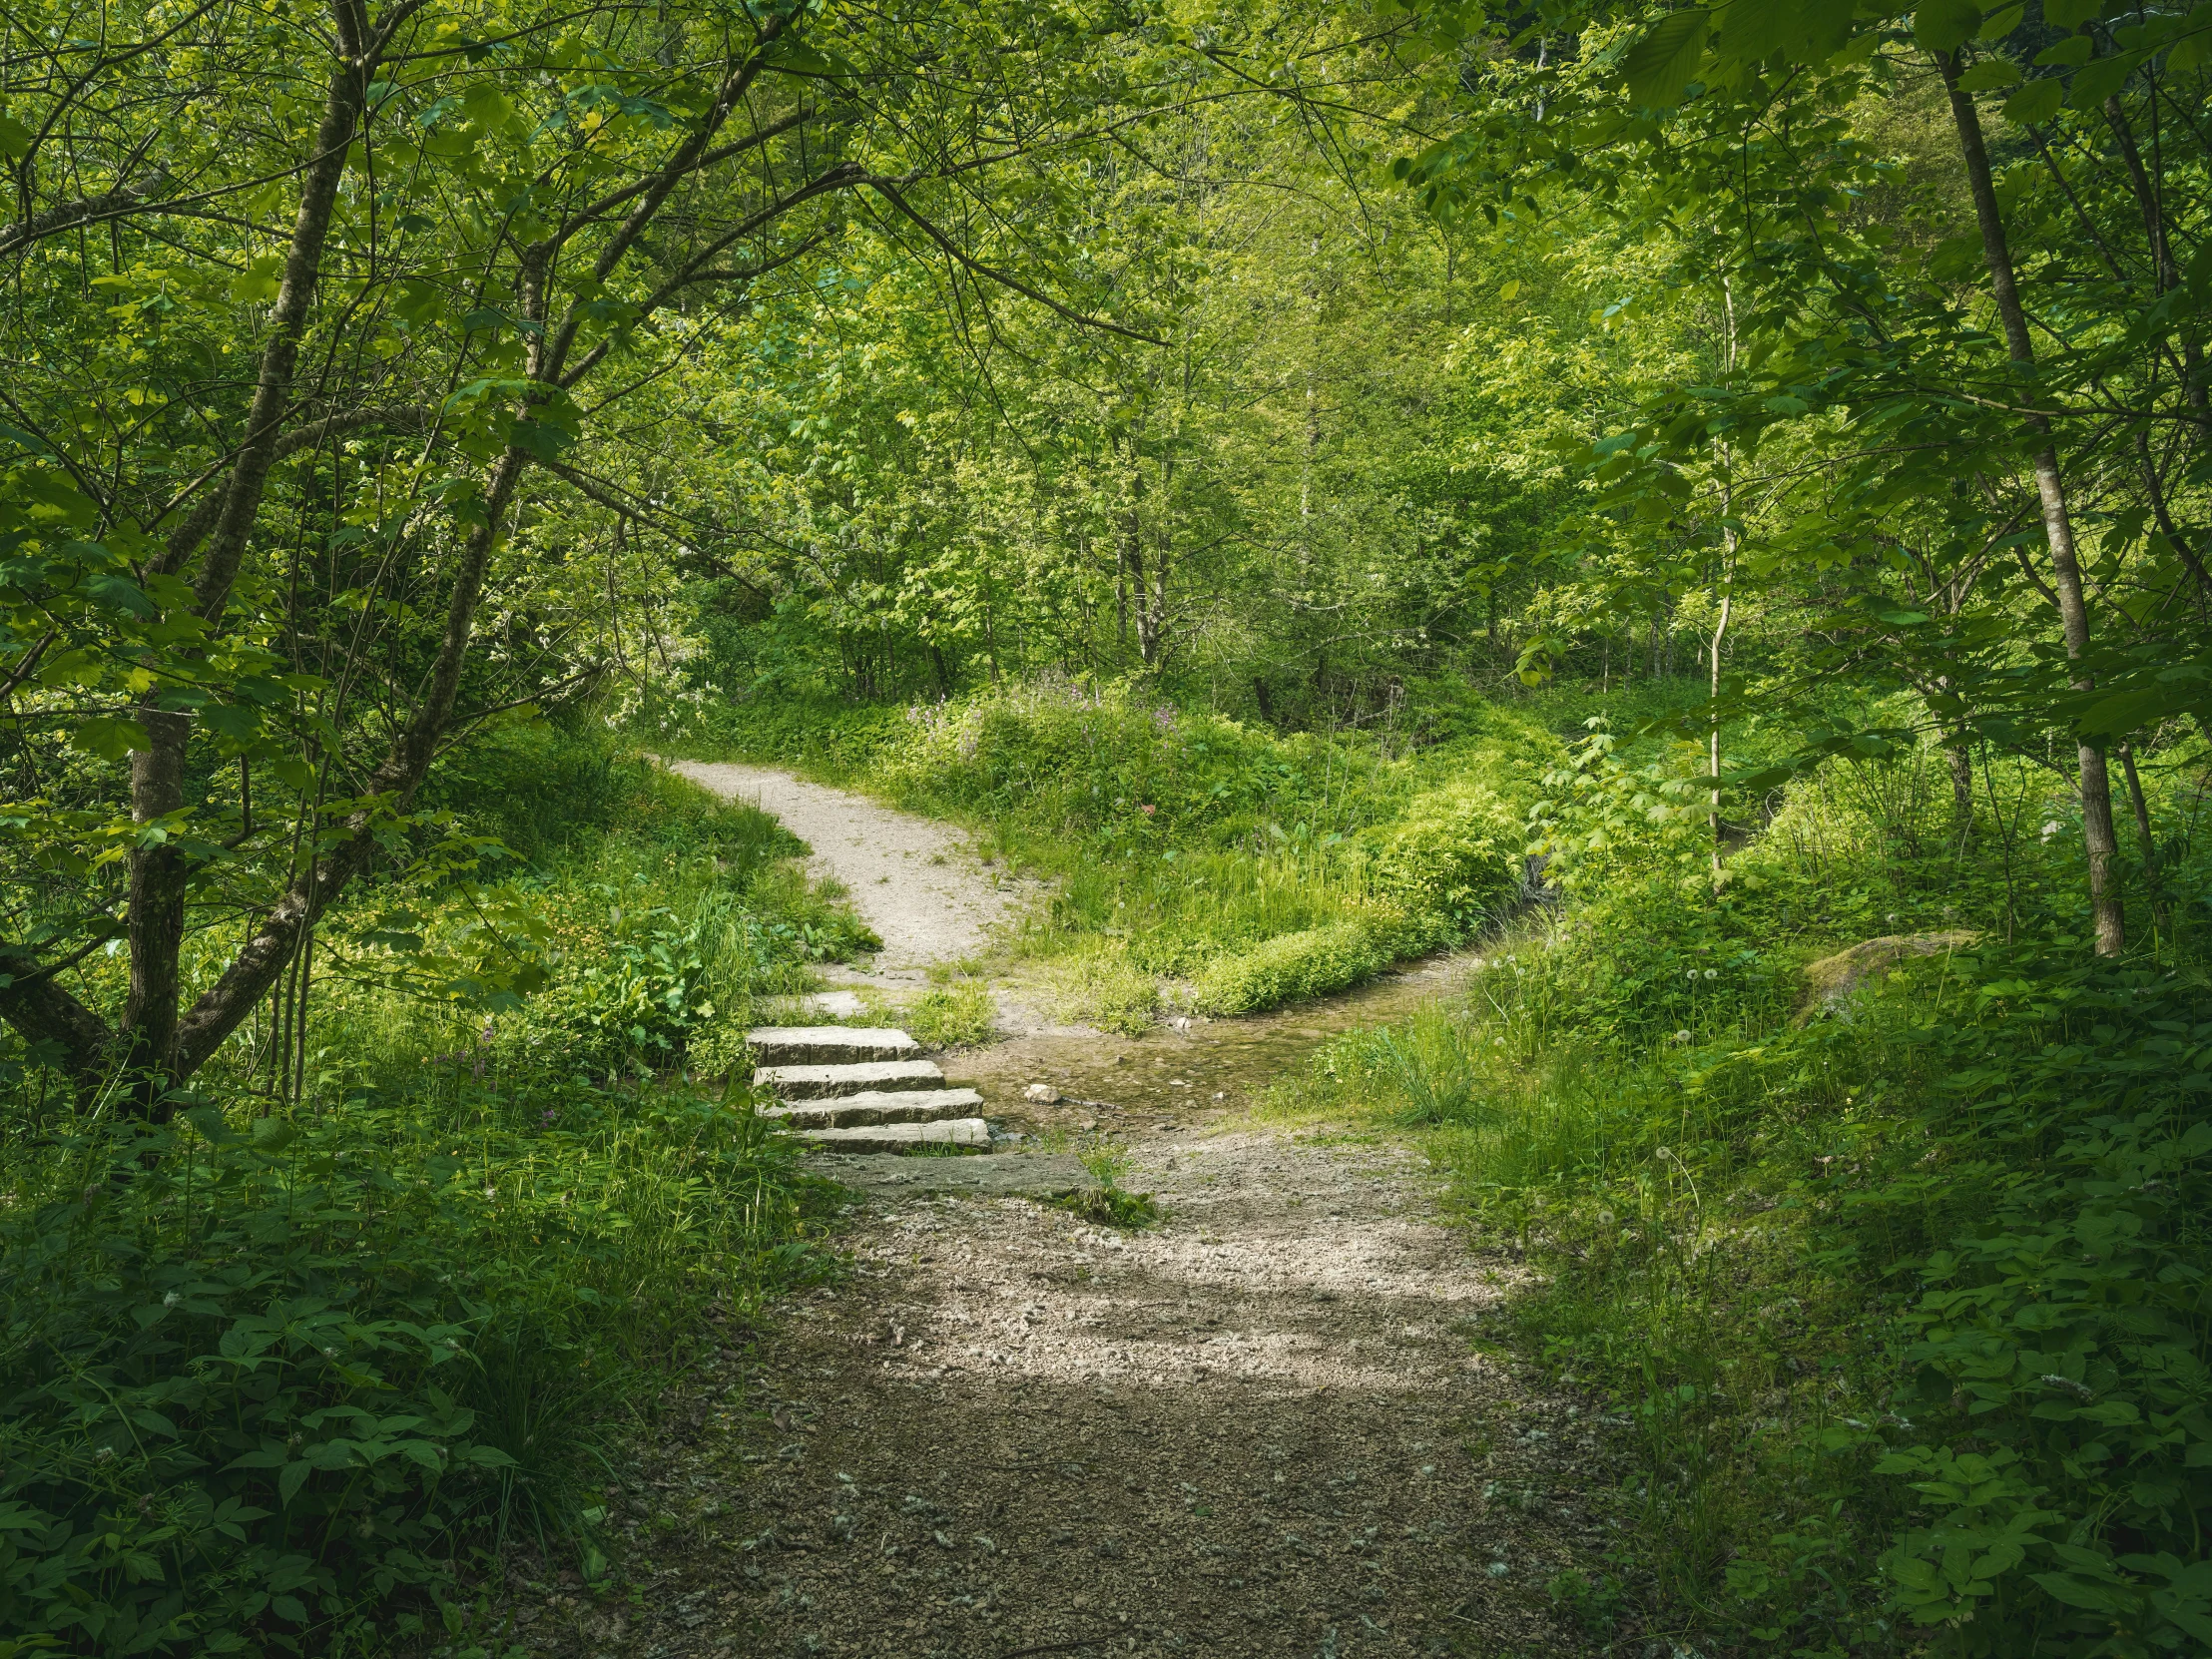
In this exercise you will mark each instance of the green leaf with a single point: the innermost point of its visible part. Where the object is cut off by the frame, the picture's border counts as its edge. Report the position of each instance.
(2071, 14)
(258, 283)
(1659, 66)
(2035, 102)
(1946, 25)
(2096, 82)
(15, 137)
(2190, 51)
(2003, 22)
(2070, 52)
(272, 1135)
(542, 440)
(121, 593)
(1990, 74)
(110, 739)
(290, 1480)
(1750, 31)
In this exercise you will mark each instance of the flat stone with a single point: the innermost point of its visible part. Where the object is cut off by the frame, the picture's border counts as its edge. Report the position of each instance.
(878, 1106)
(791, 1084)
(902, 1137)
(1008, 1173)
(786, 1045)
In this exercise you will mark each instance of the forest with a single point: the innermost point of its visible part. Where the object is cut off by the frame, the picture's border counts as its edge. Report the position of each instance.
(1700, 511)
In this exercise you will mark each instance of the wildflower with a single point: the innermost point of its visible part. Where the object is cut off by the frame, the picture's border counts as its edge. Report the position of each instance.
(1147, 811)
(1712, 973)
(1681, 1036)
(491, 1192)
(1692, 974)
(103, 1453)
(171, 1299)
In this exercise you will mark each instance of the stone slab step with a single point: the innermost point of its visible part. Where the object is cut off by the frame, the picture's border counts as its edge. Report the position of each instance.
(815, 1082)
(790, 1045)
(880, 1106)
(902, 1137)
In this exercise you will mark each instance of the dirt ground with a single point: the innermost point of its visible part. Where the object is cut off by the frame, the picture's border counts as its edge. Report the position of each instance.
(1262, 1427)
(917, 881)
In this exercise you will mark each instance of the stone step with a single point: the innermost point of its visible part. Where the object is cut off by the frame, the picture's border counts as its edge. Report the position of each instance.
(800, 1045)
(812, 1082)
(902, 1137)
(878, 1106)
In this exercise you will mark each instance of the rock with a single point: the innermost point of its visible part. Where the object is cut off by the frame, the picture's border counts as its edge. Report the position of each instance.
(878, 1106)
(1044, 1094)
(1834, 978)
(812, 1082)
(902, 1137)
(781, 1046)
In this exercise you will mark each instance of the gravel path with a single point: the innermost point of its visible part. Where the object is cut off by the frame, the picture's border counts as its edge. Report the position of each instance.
(916, 881)
(1256, 1431)
(1260, 1429)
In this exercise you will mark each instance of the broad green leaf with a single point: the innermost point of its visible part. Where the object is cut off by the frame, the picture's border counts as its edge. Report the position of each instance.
(272, 1135)
(15, 137)
(120, 593)
(109, 737)
(1990, 74)
(2191, 51)
(2038, 101)
(2070, 52)
(294, 1477)
(2072, 14)
(1946, 25)
(2094, 82)
(2001, 22)
(1662, 64)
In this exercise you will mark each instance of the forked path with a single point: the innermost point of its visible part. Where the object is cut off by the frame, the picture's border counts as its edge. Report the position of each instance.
(1261, 1429)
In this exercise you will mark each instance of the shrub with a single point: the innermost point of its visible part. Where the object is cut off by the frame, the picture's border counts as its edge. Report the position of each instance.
(1294, 966)
(266, 1377)
(948, 1016)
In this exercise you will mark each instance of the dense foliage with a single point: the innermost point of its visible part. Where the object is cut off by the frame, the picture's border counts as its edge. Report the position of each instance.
(1716, 488)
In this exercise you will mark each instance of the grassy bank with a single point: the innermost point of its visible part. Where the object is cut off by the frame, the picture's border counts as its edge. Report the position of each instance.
(1896, 1291)
(1198, 863)
(286, 1373)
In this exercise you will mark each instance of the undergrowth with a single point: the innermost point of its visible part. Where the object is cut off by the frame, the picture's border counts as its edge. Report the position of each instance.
(1898, 1299)
(287, 1371)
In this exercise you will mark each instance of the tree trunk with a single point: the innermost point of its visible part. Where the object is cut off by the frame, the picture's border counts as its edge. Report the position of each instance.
(2097, 788)
(159, 875)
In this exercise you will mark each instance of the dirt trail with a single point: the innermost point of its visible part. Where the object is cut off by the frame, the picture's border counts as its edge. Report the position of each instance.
(914, 879)
(1257, 1429)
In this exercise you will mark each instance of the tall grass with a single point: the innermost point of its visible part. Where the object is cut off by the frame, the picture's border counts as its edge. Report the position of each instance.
(1815, 1261)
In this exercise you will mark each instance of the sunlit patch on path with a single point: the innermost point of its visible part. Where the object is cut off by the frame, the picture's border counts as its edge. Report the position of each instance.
(1257, 1431)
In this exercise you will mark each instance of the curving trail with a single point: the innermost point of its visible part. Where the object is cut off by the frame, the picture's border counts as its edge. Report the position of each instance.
(914, 879)
(1260, 1429)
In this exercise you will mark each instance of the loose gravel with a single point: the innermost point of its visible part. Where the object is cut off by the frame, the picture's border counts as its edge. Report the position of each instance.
(1261, 1429)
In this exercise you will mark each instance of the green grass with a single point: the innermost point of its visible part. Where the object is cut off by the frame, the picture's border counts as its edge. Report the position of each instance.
(1822, 1274)
(951, 1017)
(1178, 843)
